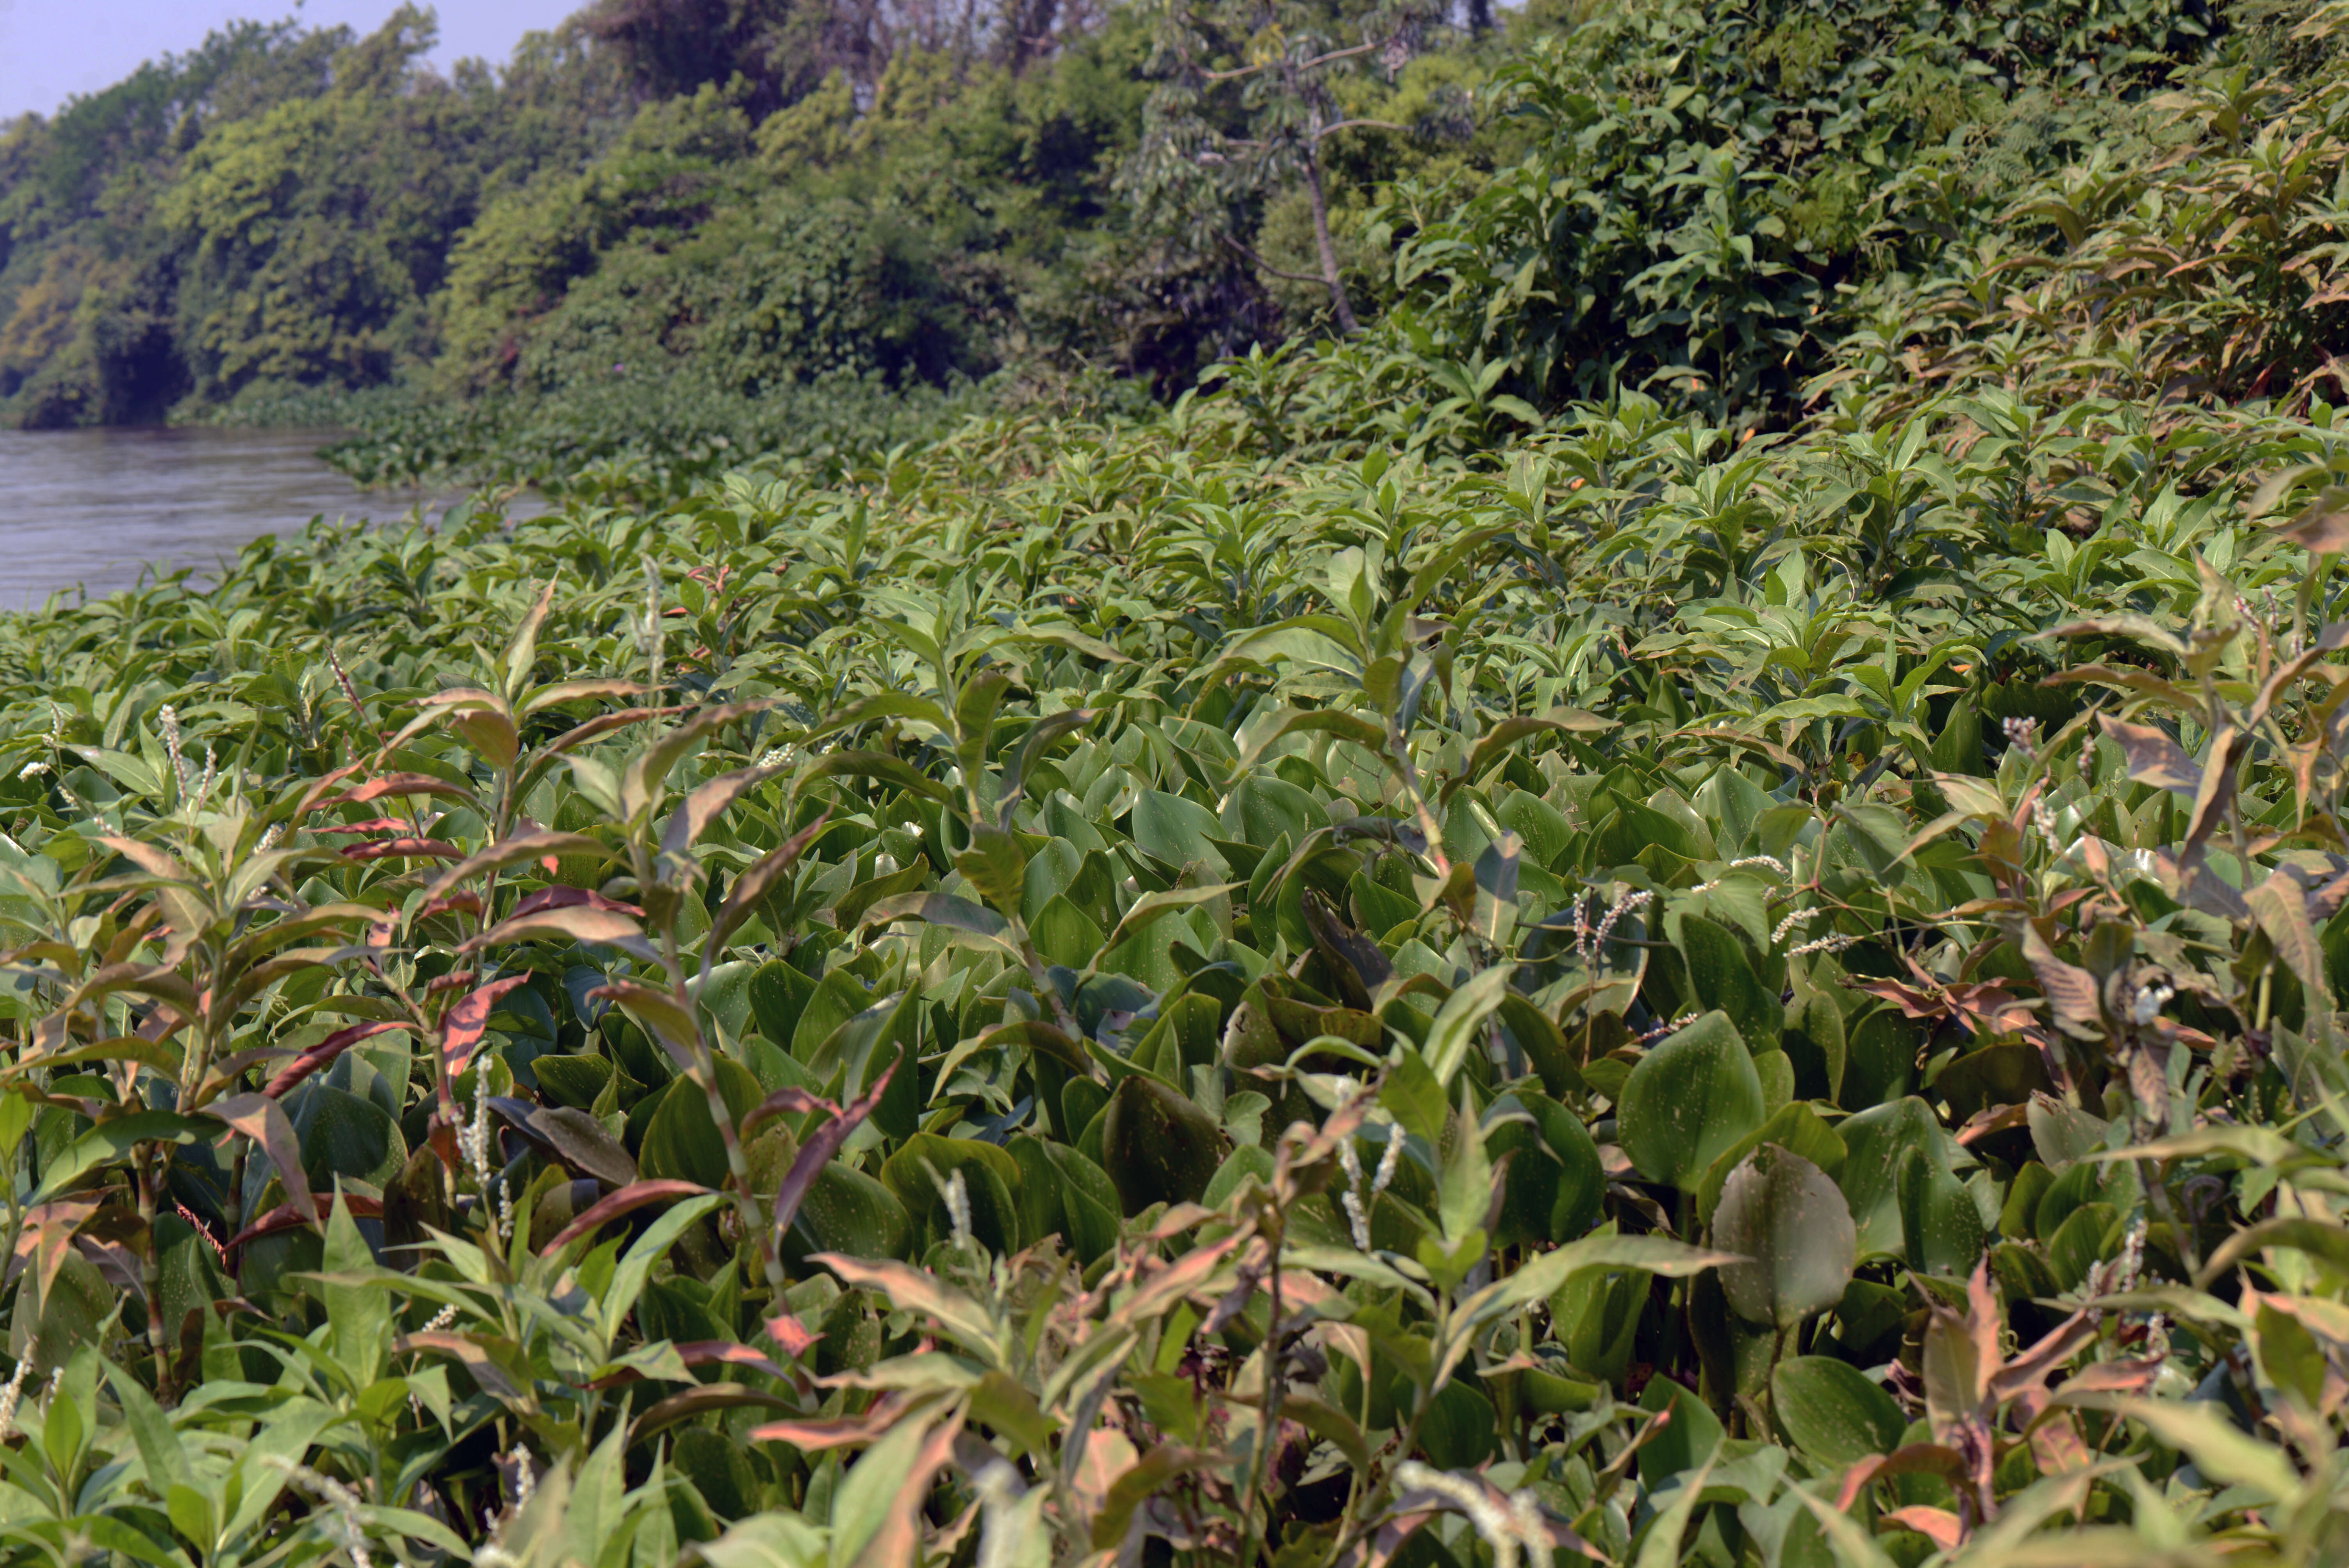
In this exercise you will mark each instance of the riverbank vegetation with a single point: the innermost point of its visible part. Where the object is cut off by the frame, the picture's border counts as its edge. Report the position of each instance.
(1684, 903)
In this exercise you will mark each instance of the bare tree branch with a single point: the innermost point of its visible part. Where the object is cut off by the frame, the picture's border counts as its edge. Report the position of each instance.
(1233, 76)
(1262, 265)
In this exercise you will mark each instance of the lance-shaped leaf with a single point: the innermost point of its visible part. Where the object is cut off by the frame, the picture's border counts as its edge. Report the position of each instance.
(2071, 990)
(982, 924)
(1460, 1022)
(402, 785)
(916, 1291)
(1150, 907)
(2153, 757)
(613, 1205)
(570, 922)
(885, 705)
(2282, 911)
(549, 753)
(292, 1216)
(750, 889)
(407, 849)
(821, 1146)
(112, 1139)
(2142, 629)
(462, 1026)
(536, 844)
(1540, 1278)
(706, 803)
(2216, 792)
(1507, 732)
(322, 1054)
(176, 888)
(641, 781)
(662, 1012)
(1056, 635)
(1040, 735)
(47, 1236)
(1364, 732)
(484, 718)
(995, 866)
(265, 1121)
(522, 652)
(870, 765)
(556, 693)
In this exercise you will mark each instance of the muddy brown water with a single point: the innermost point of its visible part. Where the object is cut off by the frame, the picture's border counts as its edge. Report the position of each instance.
(104, 510)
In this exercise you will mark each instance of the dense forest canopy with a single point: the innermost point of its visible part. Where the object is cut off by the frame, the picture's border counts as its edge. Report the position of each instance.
(927, 210)
(754, 194)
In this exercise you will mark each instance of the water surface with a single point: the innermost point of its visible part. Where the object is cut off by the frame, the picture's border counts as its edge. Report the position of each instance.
(95, 508)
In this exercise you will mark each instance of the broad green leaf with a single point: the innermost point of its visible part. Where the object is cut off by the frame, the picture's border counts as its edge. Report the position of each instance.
(1688, 1102)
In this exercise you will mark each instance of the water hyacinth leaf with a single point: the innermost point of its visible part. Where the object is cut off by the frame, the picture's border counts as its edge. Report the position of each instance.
(1688, 1100)
(1941, 1226)
(1797, 1128)
(1832, 1411)
(1089, 1199)
(923, 1172)
(847, 1211)
(682, 1143)
(1262, 810)
(1459, 1025)
(1791, 1222)
(342, 1135)
(1721, 971)
(1875, 1143)
(1157, 1146)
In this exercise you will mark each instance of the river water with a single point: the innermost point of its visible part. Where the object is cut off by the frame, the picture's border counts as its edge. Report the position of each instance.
(97, 509)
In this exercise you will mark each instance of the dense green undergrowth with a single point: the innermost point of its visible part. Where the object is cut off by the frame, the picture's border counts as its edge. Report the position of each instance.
(1363, 972)
(1773, 1003)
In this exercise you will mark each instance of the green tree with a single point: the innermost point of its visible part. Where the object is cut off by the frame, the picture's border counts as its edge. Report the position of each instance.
(1248, 96)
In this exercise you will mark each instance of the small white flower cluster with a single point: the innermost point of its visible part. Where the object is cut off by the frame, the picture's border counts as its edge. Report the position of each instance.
(341, 1522)
(1591, 941)
(169, 718)
(999, 1491)
(1357, 1207)
(525, 1478)
(1507, 1530)
(12, 1394)
(175, 744)
(1673, 1027)
(1834, 944)
(957, 1201)
(2119, 1276)
(1794, 917)
(473, 1144)
(2148, 1003)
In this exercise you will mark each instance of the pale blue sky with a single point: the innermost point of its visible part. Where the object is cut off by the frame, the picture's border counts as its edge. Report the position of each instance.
(52, 49)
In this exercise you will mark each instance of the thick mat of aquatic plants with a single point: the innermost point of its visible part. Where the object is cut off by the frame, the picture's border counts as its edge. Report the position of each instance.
(1068, 1002)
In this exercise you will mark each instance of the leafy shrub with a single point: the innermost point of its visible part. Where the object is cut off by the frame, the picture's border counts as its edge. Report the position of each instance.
(1705, 182)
